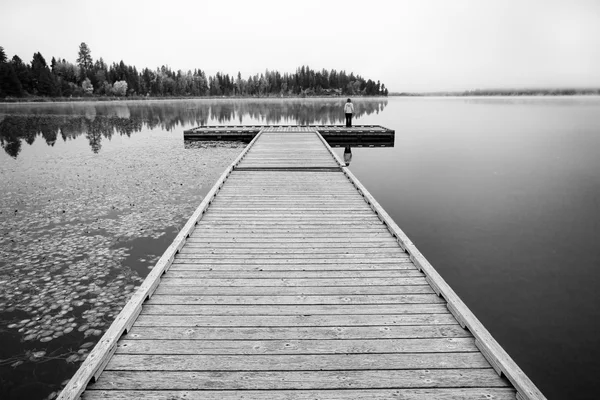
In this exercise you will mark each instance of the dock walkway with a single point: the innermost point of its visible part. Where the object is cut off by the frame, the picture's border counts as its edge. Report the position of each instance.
(291, 282)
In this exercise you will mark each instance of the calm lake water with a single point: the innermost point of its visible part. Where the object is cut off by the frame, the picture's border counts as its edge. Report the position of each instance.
(502, 195)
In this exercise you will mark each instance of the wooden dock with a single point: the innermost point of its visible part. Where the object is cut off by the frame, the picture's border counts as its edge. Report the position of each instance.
(291, 282)
(335, 135)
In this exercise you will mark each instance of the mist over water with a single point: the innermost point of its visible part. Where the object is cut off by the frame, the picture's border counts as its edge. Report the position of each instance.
(502, 195)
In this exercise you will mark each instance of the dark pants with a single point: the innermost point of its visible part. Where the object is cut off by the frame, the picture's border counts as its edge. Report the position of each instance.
(348, 120)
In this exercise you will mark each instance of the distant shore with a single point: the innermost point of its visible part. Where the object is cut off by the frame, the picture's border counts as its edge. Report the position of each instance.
(504, 92)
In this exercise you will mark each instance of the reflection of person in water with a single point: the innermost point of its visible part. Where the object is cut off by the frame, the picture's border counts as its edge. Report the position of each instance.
(349, 110)
(347, 155)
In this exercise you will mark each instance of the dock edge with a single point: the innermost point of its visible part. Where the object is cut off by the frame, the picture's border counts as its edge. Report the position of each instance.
(96, 361)
(502, 363)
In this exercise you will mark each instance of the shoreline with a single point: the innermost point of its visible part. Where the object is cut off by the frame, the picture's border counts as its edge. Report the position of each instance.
(150, 99)
(92, 99)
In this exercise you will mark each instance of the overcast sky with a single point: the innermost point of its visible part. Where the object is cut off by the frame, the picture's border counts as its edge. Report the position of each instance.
(410, 45)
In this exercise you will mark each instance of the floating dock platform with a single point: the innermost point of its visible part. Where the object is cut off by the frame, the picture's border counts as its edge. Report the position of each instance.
(335, 135)
(290, 281)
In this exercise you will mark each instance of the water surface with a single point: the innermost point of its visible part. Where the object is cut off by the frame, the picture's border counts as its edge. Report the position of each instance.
(500, 194)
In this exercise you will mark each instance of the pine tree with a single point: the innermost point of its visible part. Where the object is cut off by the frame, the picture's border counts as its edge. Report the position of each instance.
(46, 84)
(9, 82)
(84, 59)
(23, 72)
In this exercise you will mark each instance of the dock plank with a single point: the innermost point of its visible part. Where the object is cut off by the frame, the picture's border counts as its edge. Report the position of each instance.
(308, 309)
(298, 332)
(216, 273)
(306, 346)
(356, 394)
(295, 300)
(233, 282)
(330, 362)
(296, 320)
(293, 291)
(281, 380)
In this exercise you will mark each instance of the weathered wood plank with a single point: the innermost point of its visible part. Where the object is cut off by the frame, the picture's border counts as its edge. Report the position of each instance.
(347, 259)
(294, 282)
(277, 194)
(307, 346)
(316, 203)
(262, 274)
(299, 219)
(289, 235)
(233, 251)
(177, 266)
(273, 380)
(297, 242)
(296, 333)
(358, 394)
(304, 229)
(293, 291)
(296, 320)
(260, 208)
(338, 309)
(296, 300)
(243, 221)
(160, 362)
(288, 244)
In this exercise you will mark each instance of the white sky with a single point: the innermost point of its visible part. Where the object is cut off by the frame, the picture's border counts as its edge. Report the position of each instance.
(410, 45)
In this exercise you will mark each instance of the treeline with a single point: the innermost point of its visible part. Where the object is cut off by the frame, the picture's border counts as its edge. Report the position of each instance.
(87, 77)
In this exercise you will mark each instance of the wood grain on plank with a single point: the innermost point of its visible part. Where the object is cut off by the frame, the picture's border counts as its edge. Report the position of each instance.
(330, 362)
(297, 332)
(216, 273)
(322, 252)
(290, 245)
(325, 269)
(338, 309)
(293, 291)
(354, 394)
(295, 300)
(277, 380)
(299, 242)
(293, 282)
(296, 320)
(306, 346)
(282, 260)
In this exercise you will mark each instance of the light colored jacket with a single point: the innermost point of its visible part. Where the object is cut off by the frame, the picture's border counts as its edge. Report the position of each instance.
(349, 108)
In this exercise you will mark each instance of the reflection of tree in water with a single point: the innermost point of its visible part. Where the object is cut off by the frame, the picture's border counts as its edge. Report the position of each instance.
(102, 120)
(300, 112)
(12, 148)
(13, 128)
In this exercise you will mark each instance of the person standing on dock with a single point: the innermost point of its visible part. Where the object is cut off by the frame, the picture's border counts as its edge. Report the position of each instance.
(349, 110)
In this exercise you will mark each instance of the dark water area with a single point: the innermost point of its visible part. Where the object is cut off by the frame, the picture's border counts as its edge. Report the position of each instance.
(502, 195)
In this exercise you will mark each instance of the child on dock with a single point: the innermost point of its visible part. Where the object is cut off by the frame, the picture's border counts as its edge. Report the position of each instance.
(349, 110)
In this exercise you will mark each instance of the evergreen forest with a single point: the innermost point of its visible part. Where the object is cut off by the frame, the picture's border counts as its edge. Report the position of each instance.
(89, 78)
